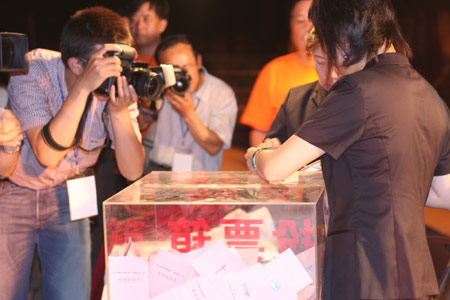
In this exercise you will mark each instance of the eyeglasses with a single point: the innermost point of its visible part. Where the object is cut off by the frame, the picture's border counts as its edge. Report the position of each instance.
(84, 60)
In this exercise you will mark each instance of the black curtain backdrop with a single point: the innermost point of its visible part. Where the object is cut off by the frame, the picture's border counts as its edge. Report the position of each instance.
(237, 37)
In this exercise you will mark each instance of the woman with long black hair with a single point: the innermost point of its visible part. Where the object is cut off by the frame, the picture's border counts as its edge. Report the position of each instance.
(383, 138)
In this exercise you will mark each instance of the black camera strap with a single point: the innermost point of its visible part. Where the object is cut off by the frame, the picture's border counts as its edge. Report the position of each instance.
(48, 139)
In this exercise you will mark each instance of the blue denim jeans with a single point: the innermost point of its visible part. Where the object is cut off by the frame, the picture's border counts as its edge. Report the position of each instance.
(41, 218)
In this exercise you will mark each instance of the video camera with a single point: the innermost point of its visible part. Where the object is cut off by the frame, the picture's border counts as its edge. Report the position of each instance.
(13, 47)
(148, 82)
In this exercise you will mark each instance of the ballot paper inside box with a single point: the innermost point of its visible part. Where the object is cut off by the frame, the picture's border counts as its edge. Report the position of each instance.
(182, 212)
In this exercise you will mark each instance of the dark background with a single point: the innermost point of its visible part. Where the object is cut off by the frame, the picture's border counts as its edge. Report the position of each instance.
(237, 37)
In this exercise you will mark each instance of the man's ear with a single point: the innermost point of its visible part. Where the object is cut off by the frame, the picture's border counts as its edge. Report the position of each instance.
(75, 65)
(162, 25)
(199, 61)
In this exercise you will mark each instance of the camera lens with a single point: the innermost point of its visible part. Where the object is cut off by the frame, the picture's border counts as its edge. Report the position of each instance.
(181, 86)
(147, 84)
(8, 53)
(153, 86)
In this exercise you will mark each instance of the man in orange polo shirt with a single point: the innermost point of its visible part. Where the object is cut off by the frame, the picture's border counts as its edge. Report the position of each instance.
(279, 76)
(148, 21)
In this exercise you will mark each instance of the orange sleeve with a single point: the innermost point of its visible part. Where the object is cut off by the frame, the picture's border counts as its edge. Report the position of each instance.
(258, 111)
(271, 88)
(150, 59)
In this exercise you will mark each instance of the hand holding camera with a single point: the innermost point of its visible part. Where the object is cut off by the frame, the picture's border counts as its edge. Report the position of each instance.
(183, 104)
(124, 97)
(11, 133)
(99, 67)
(148, 83)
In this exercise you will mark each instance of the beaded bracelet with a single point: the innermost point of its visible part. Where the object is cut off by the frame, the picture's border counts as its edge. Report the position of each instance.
(254, 156)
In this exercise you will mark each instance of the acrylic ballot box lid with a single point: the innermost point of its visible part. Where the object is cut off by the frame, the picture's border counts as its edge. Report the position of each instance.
(219, 187)
(185, 211)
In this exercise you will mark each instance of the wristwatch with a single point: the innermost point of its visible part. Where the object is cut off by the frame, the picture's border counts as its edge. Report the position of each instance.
(10, 150)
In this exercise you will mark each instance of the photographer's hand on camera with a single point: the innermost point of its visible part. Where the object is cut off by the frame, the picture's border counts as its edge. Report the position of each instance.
(129, 151)
(184, 105)
(98, 69)
(128, 148)
(126, 96)
(205, 137)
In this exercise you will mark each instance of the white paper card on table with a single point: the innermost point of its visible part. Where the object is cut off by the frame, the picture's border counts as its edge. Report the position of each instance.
(193, 254)
(171, 294)
(128, 278)
(218, 260)
(248, 255)
(288, 275)
(82, 197)
(206, 287)
(182, 162)
(167, 270)
(252, 283)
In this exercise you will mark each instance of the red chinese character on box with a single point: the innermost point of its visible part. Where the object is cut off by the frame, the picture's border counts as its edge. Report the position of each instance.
(288, 236)
(242, 233)
(121, 231)
(188, 234)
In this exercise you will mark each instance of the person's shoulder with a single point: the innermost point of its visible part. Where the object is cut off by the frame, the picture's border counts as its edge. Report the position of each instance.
(281, 60)
(42, 58)
(303, 89)
(302, 93)
(40, 63)
(40, 54)
(215, 82)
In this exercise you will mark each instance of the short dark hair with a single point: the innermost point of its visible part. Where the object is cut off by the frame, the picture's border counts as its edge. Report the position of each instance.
(294, 2)
(171, 41)
(161, 8)
(89, 27)
(358, 27)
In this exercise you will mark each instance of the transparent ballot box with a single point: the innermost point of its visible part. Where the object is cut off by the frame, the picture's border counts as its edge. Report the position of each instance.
(189, 235)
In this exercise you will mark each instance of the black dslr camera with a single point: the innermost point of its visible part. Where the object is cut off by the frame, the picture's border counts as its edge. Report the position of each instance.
(148, 82)
(13, 47)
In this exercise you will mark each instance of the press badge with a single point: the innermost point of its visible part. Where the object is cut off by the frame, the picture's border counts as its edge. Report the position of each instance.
(82, 195)
(182, 161)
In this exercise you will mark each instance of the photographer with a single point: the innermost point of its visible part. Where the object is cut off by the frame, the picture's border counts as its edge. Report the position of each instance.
(192, 129)
(10, 142)
(63, 139)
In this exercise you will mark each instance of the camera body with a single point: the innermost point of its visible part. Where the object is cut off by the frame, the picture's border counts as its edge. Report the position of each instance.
(13, 47)
(149, 83)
